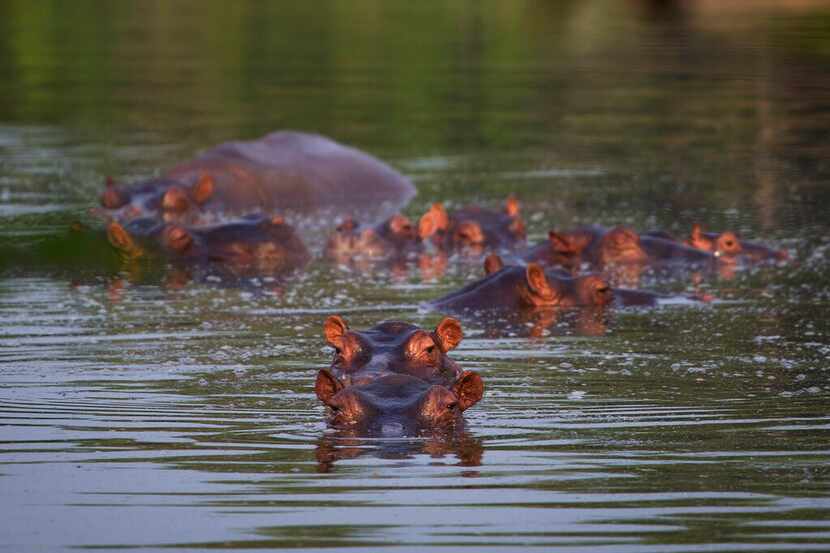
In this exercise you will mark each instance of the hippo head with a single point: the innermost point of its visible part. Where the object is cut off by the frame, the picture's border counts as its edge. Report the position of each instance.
(473, 228)
(399, 399)
(394, 235)
(620, 245)
(393, 348)
(725, 245)
(543, 289)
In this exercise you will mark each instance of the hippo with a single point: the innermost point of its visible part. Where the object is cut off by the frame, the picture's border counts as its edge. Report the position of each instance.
(255, 244)
(395, 374)
(474, 229)
(394, 238)
(729, 248)
(514, 287)
(283, 171)
(601, 247)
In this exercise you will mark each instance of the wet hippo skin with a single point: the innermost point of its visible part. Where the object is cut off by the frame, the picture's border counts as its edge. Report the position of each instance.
(395, 373)
(284, 170)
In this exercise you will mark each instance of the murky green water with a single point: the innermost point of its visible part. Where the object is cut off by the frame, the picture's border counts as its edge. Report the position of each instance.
(140, 410)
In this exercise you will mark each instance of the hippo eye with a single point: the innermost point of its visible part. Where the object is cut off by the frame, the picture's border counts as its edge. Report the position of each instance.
(430, 349)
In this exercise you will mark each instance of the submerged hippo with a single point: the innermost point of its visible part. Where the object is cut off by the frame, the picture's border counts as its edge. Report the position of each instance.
(474, 229)
(601, 248)
(729, 248)
(259, 244)
(395, 374)
(395, 237)
(283, 171)
(514, 287)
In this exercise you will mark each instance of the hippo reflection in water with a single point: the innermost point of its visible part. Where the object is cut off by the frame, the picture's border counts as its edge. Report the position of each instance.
(395, 375)
(283, 171)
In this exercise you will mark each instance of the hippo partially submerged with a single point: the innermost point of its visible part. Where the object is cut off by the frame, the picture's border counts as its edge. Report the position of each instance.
(474, 229)
(284, 171)
(256, 244)
(395, 374)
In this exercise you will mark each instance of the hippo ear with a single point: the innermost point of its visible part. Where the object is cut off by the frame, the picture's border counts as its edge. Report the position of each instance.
(432, 221)
(469, 388)
(202, 191)
(278, 220)
(536, 279)
(119, 237)
(448, 333)
(326, 386)
(511, 206)
(334, 329)
(697, 231)
(492, 264)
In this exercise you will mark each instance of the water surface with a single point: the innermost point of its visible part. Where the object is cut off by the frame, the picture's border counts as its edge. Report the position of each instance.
(143, 409)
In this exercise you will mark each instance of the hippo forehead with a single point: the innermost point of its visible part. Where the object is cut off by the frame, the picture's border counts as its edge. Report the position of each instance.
(388, 337)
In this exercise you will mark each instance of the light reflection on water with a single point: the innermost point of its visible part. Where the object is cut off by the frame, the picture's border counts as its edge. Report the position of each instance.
(141, 407)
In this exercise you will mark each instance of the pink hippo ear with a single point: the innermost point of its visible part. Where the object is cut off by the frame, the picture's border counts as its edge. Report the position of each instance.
(448, 333)
(202, 191)
(433, 220)
(511, 206)
(492, 264)
(469, 388)
(334, 329)
(536, 280)
(326, 386)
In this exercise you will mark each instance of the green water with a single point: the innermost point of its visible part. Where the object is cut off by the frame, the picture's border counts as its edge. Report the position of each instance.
(145, 409)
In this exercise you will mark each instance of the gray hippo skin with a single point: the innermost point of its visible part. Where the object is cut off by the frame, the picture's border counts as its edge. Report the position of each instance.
(283, 171)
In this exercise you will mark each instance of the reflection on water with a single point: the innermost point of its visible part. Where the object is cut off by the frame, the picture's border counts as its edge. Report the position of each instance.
(144, 406)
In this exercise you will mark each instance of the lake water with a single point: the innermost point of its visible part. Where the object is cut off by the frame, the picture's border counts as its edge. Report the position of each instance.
(143, 410)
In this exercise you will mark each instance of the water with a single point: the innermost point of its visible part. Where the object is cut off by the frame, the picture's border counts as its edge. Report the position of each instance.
(145, 409)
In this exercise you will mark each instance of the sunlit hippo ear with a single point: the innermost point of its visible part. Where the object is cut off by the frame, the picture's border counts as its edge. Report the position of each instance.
(469, 388)
(560, 243)
(326, 386)
(432, 221)
(278, 220)
(120, 238)
(536, 279)
(334, 329)
(175, 200)
(202, 191)
(511, 206)
(111, 197)
(697, 239)
(492, 264)
(448, 333)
